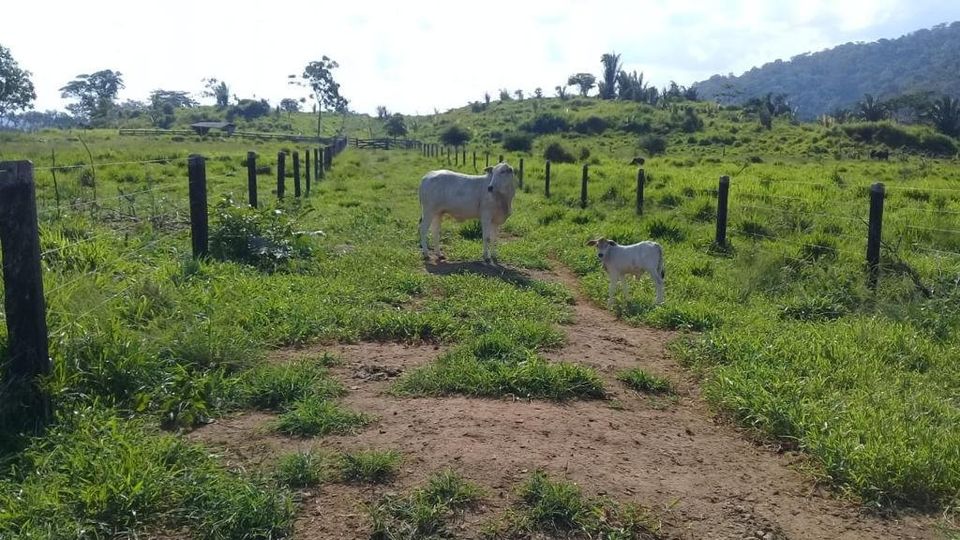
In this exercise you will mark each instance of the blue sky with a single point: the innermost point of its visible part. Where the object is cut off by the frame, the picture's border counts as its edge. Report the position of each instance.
(417, 56)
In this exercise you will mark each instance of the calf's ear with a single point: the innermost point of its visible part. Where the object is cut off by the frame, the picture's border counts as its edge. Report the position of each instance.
(488, 170)
(591, 242)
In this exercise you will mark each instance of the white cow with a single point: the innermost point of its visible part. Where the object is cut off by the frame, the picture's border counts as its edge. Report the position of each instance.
(621, 261)
(488, 197)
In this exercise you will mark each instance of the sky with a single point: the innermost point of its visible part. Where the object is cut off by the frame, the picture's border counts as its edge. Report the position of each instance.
(417, 56)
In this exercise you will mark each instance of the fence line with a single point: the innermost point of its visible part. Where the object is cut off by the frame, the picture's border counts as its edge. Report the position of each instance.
(949, 231)
(801, 212)
(109, 163)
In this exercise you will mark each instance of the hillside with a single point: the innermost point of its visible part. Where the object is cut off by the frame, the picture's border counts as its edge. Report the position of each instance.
(817, 83)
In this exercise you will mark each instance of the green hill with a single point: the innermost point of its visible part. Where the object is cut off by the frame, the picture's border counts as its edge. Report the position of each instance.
(927, 60)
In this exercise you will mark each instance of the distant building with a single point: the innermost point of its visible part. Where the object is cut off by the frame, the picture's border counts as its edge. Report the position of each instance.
(202, 128)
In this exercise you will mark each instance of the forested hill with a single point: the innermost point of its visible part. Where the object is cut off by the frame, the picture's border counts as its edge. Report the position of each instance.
(818, 83)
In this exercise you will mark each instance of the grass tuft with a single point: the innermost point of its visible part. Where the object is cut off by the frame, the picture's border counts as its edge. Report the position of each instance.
(314, 416)
(641, 381)
(426, 512)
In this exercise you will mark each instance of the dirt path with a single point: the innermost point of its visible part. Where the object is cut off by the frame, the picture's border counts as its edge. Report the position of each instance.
(704, 479)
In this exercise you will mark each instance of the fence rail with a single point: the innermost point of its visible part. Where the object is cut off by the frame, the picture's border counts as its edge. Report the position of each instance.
(384, 143)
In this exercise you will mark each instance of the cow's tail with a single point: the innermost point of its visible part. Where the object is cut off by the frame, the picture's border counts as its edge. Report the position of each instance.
(660, 268)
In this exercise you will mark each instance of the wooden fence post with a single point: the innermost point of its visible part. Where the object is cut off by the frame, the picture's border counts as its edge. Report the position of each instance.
(281, 171)
(722, 198)
(546, 185)
(321, 160)
(464, 156)
(474, 160)
(296, 174)
(197, 173)
(318, 167)
(24, 305)
(500, 159)
(456, 155)
(488, 159)
(874, 233)
(252, 179)
(641, 180)
(521, 173)
(583, 186)
(328, 158)
(306, 175)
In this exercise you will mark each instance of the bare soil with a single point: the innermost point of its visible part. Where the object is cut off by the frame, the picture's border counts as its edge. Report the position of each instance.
(701, 476)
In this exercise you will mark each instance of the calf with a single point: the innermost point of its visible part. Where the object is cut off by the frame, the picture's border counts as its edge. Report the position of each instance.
(621, 261)
(488, 197)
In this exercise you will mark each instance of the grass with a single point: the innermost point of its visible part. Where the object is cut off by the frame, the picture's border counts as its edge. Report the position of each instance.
(314, 416)
(95, 475)
(493, 366)
(312, 468)
(277, 386)
(641, 381)
(792, 343)
(558, 508)
(426, 511)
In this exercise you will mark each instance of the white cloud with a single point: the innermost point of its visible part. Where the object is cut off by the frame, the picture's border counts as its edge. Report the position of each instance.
(414, 56)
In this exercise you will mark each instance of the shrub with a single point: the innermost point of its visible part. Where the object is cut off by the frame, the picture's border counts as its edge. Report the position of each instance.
(261, 238)
(653, 144)
(518, 142)
(584, 153)
(556, 153)
(455, 136)
(593, 125)
(641, 381)
(660, 229)
(546, 123)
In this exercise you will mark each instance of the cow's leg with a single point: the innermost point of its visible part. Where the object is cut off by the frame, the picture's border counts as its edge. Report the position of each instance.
(436, 236)
(612, 293)
(486, 227)
(494, 234)
(424, 227)
(658, 282)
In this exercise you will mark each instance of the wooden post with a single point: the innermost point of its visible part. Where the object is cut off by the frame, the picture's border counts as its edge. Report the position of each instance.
(296, 174)
(722, 197)
(306, 175)
(488, 159)
(474, 160)
(874, 235)
(583, 186)
(318, 167)
(28, 355)
(321, 160)
(546, 185)
(500, 159)
(456, 155)
(641, 180)
(281, 166)
(464, 156)
(197, 173)
(521, 173)
(328, 157)
(252, 179)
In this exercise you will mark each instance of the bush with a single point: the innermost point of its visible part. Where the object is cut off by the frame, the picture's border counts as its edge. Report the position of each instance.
(546, 123)
(637, 127)
(518, 142)
(455, 136)
(894, 136)
(594, 125)
(261, 238)
(556, 153)
(653, 144)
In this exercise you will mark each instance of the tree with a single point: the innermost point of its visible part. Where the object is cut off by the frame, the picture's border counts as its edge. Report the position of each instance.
(382, 112)
(289, 105)
(538, 93)
(611, 68)
(396, 126)
(945, 114)
(585, 81)
(318, 77)
(561, 92)
(217, 90)
(163, 106)
(486, 98)
(505, 95)
(455, 136)
(16, 89)
(95, 93)
(519, 94)
(871, 109)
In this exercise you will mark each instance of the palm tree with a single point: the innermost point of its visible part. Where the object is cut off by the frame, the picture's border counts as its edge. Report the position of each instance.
(611, 67)
(871, 109)
(945, 115)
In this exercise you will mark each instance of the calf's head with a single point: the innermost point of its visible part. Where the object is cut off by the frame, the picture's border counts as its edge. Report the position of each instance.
(603, 246)
(501, 184)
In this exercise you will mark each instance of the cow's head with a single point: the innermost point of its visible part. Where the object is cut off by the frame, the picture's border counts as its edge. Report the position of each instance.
(602, 245)
(501, 185)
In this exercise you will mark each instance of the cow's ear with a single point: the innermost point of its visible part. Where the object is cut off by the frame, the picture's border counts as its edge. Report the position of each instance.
(591, 242)
(488, 170)
(612, 243)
